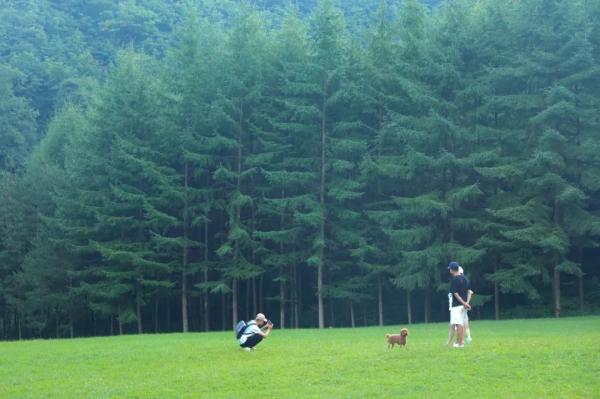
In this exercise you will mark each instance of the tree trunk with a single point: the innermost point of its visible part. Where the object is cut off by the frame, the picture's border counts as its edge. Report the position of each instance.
(184, 301)
(427, 304)
(331, 313)
(295, 295)
(496, 294)
(238, 211)
(56, 324)
(223, 311)
(261, 284)
(138, 310)
(254, 300)
(247, 303)
(556, 279)
(556, 290)
(254, 297)
(119, 320)
(322, 202)
(408, 307)
(580, 280)
(20, 332)
(184, 292)
(168, 314)
(581, 297)
(71, 312)
(234, 301)
(320, 290)
(206, 304)
(380, 300)
(290, 290)
(281, 272)
(351, 314)
(282, 303)
(298, 288)
(155, 314)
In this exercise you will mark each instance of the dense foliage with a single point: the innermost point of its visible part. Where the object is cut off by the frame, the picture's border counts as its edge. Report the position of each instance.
(169, 166)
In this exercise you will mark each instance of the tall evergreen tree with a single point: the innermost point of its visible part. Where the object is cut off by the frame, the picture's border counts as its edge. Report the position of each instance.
(17, 123)
(327, 53)
(287, 162)
(244, 64)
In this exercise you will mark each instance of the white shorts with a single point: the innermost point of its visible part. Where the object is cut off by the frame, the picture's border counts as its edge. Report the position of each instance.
(458, 315)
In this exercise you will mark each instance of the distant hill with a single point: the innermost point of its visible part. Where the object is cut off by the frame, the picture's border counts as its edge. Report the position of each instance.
(349, 6)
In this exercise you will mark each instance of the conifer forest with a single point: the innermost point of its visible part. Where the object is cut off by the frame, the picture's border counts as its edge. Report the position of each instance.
(174, 166)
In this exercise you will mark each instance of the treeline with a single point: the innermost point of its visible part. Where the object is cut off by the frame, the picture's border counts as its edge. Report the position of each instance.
(319, 171)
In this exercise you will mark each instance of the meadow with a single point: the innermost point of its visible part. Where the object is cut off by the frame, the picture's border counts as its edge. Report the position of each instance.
(541, 358)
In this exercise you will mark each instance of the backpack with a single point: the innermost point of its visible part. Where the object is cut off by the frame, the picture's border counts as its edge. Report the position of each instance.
(240, 328)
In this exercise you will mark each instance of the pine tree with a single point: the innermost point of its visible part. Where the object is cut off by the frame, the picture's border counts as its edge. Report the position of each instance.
(382, 88)
(123, 268)
(562, 59)
(188, 123)
(496, 109)
(403, 150)
(244, 65)
(328, 48)
(48, 267)
(350, 130)
(17, 123)
(17, 228)
(288, 208)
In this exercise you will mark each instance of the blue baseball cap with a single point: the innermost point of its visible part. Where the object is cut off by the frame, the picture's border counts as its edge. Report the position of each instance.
(453, 266)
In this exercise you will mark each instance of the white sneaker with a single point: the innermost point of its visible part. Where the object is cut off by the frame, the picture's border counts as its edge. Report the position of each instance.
(458, 346)
(247, 349)
(469, 339)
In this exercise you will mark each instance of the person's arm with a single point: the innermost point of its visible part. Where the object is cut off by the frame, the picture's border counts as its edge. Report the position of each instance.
(265, 334)
(469, 296)
(459, 299)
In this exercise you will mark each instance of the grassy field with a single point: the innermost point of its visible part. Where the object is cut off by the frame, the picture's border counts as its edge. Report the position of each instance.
(542, 358)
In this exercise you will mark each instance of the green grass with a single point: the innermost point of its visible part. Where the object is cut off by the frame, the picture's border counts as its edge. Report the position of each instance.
(541, 358)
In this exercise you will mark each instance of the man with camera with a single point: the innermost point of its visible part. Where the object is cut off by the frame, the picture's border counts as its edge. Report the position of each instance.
(255, 331)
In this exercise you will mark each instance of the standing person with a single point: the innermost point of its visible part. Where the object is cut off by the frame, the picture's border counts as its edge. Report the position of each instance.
(459, 288)
(467, 324)
(255, 331)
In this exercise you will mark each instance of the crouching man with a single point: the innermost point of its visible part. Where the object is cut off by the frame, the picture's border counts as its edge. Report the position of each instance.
(255, 331)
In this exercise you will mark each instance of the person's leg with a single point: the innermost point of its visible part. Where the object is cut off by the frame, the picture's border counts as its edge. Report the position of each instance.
(457, 318)
(459, 335)
(252, 341)
(467, 328)
(450, 334)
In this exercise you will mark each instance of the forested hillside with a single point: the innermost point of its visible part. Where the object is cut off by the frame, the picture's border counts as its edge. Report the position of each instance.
(177, 166)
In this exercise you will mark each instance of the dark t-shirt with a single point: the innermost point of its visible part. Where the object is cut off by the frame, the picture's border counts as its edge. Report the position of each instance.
(459, 284)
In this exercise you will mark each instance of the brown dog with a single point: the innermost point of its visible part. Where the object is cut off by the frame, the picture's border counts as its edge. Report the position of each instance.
(399, 339)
